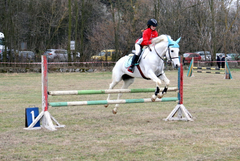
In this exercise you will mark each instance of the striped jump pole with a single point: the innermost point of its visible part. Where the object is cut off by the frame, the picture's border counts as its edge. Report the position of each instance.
(108, 91)
(201, 71)
(208, 68)
(103, 102)
(226, 70)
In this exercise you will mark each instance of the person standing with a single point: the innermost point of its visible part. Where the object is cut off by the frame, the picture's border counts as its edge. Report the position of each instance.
(218, 61)
(223, 62)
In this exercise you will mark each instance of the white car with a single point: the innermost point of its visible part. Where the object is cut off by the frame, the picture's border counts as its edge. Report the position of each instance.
(203, 53)
(221, 55)
(232, 56)
(57, 55)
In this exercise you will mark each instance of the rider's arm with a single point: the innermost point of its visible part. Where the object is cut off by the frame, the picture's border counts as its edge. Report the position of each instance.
(146, 38)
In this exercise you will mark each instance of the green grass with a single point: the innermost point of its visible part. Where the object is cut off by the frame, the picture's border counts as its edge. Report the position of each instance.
(137, 132)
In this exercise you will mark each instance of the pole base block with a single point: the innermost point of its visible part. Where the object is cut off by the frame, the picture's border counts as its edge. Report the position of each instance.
(181, 112)
(47, 122)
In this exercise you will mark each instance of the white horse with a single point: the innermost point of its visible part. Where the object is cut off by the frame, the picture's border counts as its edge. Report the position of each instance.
(150, 67)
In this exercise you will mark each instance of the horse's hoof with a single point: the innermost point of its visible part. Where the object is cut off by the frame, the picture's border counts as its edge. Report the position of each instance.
(106, 105)
(114, 112)
(160, 95)
(153, 98)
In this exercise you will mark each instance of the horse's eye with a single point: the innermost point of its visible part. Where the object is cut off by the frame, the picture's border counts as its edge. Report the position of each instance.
(172, 51)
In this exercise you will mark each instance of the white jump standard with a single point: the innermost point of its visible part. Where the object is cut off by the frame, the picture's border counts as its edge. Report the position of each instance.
(45, 116)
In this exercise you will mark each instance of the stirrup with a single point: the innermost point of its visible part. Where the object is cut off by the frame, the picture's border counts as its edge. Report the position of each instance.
(130, 69)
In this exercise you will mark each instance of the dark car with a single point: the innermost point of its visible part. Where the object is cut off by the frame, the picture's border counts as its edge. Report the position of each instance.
(188, 57)
(25, 56)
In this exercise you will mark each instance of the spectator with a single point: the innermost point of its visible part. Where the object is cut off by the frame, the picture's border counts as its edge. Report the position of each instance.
(218, 61)
(223, 62)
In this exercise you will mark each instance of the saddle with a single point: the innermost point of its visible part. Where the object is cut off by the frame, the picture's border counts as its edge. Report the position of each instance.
(129, 60)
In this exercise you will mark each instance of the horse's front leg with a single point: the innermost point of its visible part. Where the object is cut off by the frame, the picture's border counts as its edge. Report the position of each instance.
(167, 82)
(158, 82)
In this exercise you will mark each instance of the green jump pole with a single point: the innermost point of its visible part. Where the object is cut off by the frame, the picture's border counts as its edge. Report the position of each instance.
(103, 102)
(108, 91)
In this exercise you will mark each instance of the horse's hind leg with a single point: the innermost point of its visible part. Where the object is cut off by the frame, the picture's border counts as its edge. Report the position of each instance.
(111, 86)
(127, 81)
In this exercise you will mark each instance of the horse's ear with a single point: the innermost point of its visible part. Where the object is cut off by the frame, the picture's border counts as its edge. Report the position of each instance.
(169, 41)
(178, 39)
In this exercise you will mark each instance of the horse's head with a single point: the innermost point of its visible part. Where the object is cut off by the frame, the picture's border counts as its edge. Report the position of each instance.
(173, 51)
(166, 46)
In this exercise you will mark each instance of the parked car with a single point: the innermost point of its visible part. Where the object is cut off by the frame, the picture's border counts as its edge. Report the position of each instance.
(188, 57)
(233, 56)
(26, 56)
(205, 55)
(104, 55)
(57, 55)
(228, 57)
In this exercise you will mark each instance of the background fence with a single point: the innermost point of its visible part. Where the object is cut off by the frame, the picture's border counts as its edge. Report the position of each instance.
(23, 67)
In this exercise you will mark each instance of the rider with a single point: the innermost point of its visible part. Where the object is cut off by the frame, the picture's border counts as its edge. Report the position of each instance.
(144, 40)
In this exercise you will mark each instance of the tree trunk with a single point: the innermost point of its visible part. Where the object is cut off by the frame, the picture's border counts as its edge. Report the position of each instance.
(69, 29)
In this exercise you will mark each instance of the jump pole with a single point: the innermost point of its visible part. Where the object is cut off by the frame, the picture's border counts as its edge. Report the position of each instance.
(109, 91)
(103, 102)
(226, 69)
(44, 116)
(180, 112)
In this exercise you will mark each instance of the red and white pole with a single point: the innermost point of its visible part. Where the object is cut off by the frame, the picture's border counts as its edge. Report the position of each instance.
(44, 84)
(180, 82)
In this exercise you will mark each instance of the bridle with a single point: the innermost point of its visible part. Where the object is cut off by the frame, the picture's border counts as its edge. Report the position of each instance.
(168, 49)
(170, 54)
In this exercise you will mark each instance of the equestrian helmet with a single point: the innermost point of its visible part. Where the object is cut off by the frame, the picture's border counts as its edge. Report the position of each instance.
(152, 22)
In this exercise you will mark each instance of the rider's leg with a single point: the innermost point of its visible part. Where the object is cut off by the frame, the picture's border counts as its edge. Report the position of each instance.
(135, 57)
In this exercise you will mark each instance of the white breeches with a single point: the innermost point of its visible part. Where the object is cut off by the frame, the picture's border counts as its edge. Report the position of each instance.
(137, 49)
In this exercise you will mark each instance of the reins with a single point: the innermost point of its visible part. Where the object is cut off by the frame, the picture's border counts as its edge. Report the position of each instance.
(168, 48)
(158, 54)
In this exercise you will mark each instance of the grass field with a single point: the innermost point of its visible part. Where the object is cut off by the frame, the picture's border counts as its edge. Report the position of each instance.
(137, 132)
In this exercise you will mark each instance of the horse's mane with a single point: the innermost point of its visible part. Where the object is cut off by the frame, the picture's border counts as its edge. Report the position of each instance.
(160, 39)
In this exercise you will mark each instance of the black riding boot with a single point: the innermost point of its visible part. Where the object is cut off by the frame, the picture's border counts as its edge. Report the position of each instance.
(134, 60)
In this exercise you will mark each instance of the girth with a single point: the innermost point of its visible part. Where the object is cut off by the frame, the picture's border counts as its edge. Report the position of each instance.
(143, 74)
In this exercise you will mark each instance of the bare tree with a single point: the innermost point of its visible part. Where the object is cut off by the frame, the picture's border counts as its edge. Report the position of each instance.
(209, 25)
